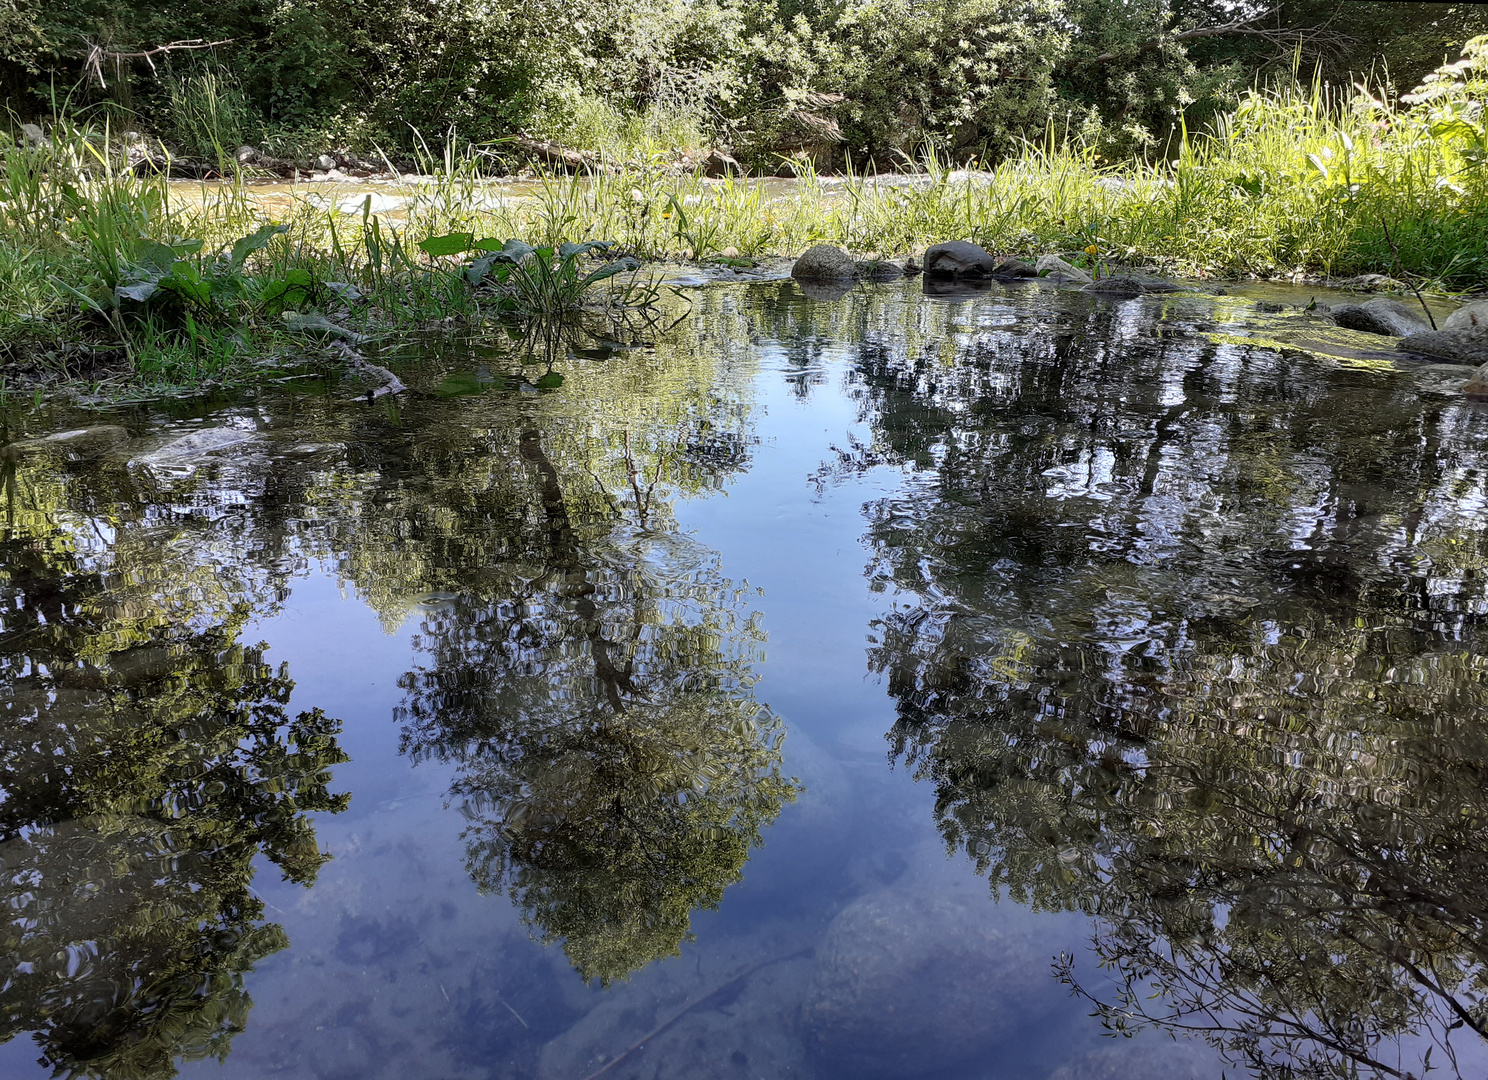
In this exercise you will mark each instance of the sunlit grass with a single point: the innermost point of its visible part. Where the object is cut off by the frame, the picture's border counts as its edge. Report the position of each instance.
(1295, 181)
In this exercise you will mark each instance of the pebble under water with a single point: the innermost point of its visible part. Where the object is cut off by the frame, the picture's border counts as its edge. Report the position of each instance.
(879, 687)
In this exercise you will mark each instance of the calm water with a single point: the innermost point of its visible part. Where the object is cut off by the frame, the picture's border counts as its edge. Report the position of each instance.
(799, 692)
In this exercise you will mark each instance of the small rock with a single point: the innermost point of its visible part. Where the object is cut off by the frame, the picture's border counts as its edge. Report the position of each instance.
(718, 165)
(246, 155)
(1056, 269)
(325, 163)
(78, 445)
(908, 982)
(824, 263)
(1381, 315)
(1014, 268)
(879, 270)
(1469, 316)
(1459, 346)
(1118, 288)
(958, 258)
(34, 136)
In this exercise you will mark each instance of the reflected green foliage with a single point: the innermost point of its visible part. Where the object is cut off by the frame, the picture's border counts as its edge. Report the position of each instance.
(588, 667)
(146, 759)
(616, 770)
(1189, 637)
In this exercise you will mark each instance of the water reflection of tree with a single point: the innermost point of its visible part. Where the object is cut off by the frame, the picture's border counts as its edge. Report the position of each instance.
(595, 688)
(1190, 639)
(146, 758)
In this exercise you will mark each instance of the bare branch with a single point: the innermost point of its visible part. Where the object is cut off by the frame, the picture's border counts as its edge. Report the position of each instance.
(97, 54)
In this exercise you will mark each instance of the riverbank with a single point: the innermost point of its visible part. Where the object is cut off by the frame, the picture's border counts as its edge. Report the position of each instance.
(139, 285)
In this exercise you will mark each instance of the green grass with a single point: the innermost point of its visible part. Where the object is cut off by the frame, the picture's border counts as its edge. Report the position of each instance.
(1296, 181)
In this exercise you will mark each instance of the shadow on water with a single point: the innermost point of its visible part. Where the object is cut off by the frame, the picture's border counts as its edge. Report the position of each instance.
(1182, 630)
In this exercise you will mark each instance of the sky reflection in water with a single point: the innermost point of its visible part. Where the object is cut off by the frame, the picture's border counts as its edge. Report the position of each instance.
(691, 708)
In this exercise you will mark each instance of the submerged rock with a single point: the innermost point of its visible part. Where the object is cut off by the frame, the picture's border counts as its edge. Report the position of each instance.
(958, 258)
(1120, 288)
(825, 263)
(1460, 346)
(1056, 269)
(193, 445)
(1469, 317)
(77, 445)
(1158, 1059)
(907, 983)
(1381, 315)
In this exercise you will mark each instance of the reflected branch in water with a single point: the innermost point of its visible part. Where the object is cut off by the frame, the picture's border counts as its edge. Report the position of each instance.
(1192, 643)
(615, 768)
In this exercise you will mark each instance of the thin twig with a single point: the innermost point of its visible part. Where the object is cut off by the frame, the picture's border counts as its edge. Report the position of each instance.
(640, 1044)
(1401, 271)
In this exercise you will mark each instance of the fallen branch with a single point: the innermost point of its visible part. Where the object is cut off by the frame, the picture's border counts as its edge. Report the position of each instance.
(97, 54)
(555, 153)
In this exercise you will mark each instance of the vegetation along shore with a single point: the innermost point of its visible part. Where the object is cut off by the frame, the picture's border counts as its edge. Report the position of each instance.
(116, 276)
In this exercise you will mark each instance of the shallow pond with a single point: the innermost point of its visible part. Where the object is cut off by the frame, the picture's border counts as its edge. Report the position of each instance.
(816, 688)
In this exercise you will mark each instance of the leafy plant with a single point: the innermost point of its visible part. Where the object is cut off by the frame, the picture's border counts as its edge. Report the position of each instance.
(545, 280)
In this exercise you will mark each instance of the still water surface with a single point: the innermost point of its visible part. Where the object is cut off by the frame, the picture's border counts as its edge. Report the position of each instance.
(797, 693)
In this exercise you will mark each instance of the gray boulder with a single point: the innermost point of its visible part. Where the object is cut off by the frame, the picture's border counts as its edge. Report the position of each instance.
(825, 263)
(907, 983)
(1459, 346)
(1381, 315)
(1056, 269)
(78, 445)
(958, 258)
(1468, 317)
(34, 136)
(325, 163)
(1014, 268)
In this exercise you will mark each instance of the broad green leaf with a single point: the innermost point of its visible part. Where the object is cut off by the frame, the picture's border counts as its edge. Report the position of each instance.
(449, 244)
(254, 241)
(140, 291)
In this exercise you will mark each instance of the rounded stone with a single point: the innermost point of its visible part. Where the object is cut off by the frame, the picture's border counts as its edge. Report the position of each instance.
(1458, 346)
(824, 263)
(1472, 316)
(908, 983)
(958, 258)
(1381, 315)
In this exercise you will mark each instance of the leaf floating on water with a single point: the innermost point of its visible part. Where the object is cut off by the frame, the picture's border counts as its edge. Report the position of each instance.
(551, 381)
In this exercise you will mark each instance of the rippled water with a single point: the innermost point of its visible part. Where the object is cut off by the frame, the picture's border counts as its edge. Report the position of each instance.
(800, 692)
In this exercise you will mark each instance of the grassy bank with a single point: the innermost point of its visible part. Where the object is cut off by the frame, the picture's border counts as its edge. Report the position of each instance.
(111, 277)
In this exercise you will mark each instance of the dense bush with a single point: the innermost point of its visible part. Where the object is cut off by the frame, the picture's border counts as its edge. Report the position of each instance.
(834, 81)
